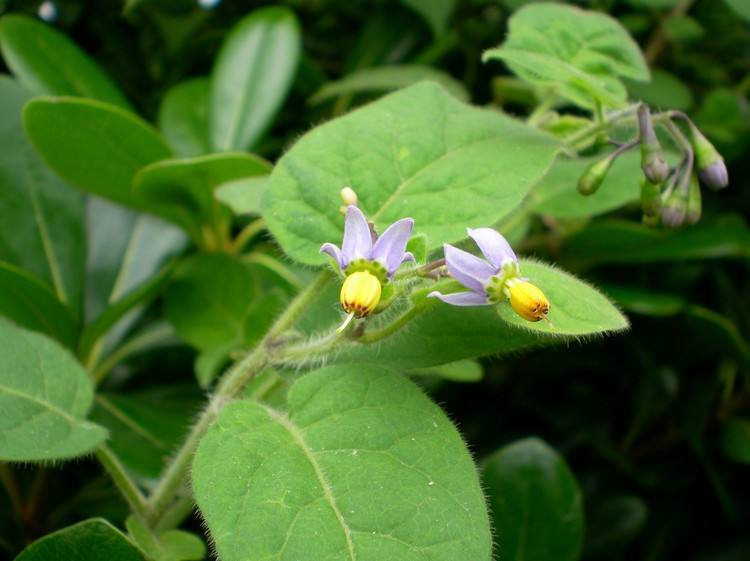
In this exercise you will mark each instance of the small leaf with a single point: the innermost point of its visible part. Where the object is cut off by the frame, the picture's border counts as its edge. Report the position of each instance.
(44, 398)
(418, 152)
(293, 486)
(32, 305)
(735, 439)
(387, 78)
(173, 545)
(252, 76)
(243, 196)
(664, 90)
(183, 118)
(536, 503)
(459, 371)
(47, 62)
(435, 12)
(95, 146)
(91, 540)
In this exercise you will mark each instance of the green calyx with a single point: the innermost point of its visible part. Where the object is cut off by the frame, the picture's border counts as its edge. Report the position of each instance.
(497, 285)
(373, 267)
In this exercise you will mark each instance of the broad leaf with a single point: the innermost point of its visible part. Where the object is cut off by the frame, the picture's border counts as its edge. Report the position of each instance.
(32, 305)
(252, 76)
(362, 467)
(243, 196)
(418, 152)
(535, 501)
(47, 62)
(435, 12)
(557, 193)
(183, 118)
(41, 218)
(90, 540)
(44, 398)
(186, 186)
(95, 146)
(580, 54)
(387, 78)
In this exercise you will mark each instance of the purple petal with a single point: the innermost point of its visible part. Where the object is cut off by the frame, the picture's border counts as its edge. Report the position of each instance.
(469, 270)
(390, 247)
(357, 242)
(461, 298)
(334, 252)
(494, 246)
(408, 256)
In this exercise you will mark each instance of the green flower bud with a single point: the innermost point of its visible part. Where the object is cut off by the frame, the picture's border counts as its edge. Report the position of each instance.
(650, 197)
(694, 205)
(653, 164)
(594, 175)
(674, 204)
(710, 164)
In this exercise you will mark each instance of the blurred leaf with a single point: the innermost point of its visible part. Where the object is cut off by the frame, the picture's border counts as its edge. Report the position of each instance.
(734, 439)
(95, 146)
(682, 29)
(435, 12)
(186, 186)
(741, 7)
(614, 523)
(646, 302)
(243, 196)
(716, 330)
(437, 161)
(252, 76)
(293, 486)
(725, 119)
(654, 4)
(41, 218)
(557, 193)
(90, 540)
(459, 371)
(44, 398)
(32, 305)
(387, 78)
(535, 501)
(664, 91)
(183, 118)
(579, 53)
(47, 62)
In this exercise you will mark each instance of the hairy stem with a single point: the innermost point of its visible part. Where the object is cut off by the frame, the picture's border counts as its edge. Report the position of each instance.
(122, 480)
(393, 327)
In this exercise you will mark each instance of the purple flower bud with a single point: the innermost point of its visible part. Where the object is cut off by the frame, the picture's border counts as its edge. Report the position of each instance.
(674, 209)
(715, 176)
(709, 162)
(653, 164)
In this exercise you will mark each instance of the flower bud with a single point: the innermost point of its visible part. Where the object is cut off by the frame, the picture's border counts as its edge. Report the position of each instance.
(527, 300)
(650, 197)
(654, 165)
(594, 175)
(710, 164)
(360, 293)
(694, 205)
(348, 196)
(674, 207)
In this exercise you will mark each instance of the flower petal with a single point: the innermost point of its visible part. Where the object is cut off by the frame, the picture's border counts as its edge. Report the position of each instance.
(468, 269)
(461, 298)
(357, 242)
(408, 256)
(390, 247)
(335, 252)
(494, 246)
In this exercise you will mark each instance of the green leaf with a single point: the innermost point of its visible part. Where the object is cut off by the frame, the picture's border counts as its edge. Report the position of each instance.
(387, 78)
(90, 540)
(186, 186)
(95, 146)
(734, 439)
(32, 305)
(435, 12)
(363, 466)
(581, 54)
(173, 545)
(664, 90)
(418, 152)
(614, 523)
(252, 76)
(47, 62)
(740, 7)
(459, 371)
(44, 398)
(557, 193)
(243, 196)
(183, 118)
(646, 302)
(41, 218)
(535, 501)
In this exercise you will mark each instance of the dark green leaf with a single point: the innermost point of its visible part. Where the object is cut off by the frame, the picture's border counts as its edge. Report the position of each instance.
(183, 118)
(735, 439)
(435, 12)
(664, 90)
(613, 523)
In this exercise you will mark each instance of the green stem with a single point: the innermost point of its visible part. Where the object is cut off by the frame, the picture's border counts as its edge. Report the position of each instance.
(391, 328)
(140, 341)
(247, 233)
(595, 128)
(122, 480)
(175, 514)
(541, 110)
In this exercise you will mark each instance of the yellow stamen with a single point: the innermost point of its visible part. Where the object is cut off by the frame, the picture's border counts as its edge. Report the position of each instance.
(360, 293)
(527, 300)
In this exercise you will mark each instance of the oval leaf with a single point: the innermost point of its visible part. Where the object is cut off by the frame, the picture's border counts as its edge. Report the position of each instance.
(183, 118)
(44, 398)
(47, 62)
(252, 76)
(418, 152)
(363, 467)
(535, 501)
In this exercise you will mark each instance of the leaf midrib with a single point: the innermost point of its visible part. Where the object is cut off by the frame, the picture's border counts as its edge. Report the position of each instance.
(45, 404)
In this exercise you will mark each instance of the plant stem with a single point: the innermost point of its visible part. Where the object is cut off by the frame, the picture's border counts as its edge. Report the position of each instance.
(122, 480)
(393, 327)
(175, 514)
(247, 233)
(595, 128)
(535, 119)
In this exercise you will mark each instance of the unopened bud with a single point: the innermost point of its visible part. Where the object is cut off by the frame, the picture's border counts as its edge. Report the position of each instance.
(650, 197)
(674, 206)
(710, 164)
(594, 175)
(348, 196)
(694, 204)
(653, 164)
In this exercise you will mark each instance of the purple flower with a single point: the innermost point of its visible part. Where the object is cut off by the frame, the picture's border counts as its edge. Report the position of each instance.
(483, 277)
(387, 253)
